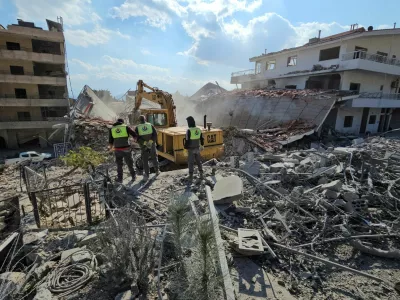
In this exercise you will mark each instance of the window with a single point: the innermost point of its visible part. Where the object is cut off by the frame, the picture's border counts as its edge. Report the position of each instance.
(291, 87)
(354, 86)
(331, 53)
(372, 119)
(258, 68)
(16, 70)
(271, 65)
(292, 61)
(20, 93)
(34, 155)
(24, 116)
(25, 155)
(348, 121)
(157, 119)
(381, 88)
(381, 53)
(13, 46)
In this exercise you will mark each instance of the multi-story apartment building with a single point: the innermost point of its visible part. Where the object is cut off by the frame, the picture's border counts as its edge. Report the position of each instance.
(33, 85)
(362, 60)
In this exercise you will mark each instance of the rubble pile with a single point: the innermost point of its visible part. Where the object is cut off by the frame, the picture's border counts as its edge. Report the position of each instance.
(91, 132)
(276, 93)
(341, 203)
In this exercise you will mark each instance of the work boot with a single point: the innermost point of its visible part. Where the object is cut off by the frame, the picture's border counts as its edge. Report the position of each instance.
(201, 175)
(158, 172)
(145, 177)
(133, 177)
(118, 180)
(190, 177)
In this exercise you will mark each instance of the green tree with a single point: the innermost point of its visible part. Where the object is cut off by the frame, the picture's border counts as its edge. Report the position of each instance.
(84, 157)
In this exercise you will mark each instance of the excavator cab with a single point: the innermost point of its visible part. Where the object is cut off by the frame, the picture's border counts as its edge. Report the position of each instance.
(157, 117)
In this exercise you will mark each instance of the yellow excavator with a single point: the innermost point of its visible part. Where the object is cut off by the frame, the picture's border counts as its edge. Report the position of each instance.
(170, 137)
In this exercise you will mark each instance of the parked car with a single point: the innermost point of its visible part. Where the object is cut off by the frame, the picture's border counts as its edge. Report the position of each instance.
(30, 155)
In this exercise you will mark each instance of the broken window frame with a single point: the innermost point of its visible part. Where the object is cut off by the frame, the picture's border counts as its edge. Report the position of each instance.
(329, 53)
(13, 46)
(348, 121)
(258, 68)
(271, 65)
(292, 61)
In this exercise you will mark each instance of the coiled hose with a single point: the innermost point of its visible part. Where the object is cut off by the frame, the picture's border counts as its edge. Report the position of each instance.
(66, 279)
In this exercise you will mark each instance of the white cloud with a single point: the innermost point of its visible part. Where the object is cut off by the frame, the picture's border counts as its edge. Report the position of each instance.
(139, 8)
(146, 52)
(385, 26)
(97, 36)
(74, 12)
(79, 77)
(86, 66)
(128, 63)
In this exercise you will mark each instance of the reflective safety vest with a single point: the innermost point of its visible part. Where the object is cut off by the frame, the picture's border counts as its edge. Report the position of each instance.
(145, 131)
(120, 135)
(194, 141)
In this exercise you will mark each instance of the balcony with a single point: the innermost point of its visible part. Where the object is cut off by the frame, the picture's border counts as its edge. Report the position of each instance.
(32, 123)
(245, 76)
(29, 55)
(377, 100)
(38, 100)
(33, 33)
(32, 78)
(370, 62)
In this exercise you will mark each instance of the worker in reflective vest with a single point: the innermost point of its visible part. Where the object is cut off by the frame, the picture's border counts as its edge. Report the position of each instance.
(194, 144)
(147, 137)
(119, 142)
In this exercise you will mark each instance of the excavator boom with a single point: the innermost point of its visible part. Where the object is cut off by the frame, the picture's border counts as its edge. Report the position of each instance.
(156, 96)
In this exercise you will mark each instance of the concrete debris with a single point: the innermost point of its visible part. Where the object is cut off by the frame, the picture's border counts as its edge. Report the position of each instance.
(43, 294)
(249, 242)
(11, 282)
(228, 190)
(332, 186)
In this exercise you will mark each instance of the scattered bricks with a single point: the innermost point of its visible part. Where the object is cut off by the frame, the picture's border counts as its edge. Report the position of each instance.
(228, 190)
(333, 186)
(329, 194)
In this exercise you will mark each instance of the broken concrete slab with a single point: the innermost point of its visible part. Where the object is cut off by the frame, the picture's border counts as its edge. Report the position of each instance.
(329, 194)
(242, 209)
(68, 253)
(333, 186)
(34, 237)
(250, 242)
(228, 190)
(306, 161)
(253, 168)
(78, 235)
(81, 257)
(349, 196)
(276, 167)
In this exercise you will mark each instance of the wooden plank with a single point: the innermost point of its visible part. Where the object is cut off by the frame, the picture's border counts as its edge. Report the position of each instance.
(228, 287)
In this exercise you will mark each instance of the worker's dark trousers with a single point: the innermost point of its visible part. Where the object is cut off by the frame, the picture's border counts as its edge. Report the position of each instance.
(146, 154)
(194, 156)
(120, 156)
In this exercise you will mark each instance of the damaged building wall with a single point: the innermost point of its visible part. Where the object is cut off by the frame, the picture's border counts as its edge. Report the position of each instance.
(371, 83)
(253, 111)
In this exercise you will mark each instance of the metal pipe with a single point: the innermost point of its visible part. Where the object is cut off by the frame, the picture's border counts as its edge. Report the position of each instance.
(205, 122)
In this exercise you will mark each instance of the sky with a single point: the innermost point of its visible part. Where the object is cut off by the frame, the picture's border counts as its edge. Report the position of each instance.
(180, 45)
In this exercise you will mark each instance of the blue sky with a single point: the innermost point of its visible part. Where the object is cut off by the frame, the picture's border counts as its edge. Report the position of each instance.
(183, 44)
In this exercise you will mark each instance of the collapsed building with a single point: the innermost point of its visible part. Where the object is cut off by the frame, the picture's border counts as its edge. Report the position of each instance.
(360, 60)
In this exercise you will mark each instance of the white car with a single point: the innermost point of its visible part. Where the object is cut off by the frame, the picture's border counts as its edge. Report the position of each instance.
(30, 155)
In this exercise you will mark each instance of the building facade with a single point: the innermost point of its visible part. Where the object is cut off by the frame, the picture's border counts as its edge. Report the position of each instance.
(361, 60)
(33, 85)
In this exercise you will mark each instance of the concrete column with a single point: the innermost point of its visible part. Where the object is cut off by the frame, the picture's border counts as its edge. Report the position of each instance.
(12, 142)
(43, 138)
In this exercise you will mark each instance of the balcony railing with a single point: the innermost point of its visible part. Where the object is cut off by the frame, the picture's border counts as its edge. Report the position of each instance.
(245, 72)
(380, 95)
(13, 96)
(371, 57)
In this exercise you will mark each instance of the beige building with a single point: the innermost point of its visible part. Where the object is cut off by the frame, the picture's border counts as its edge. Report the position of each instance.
(33, 85)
